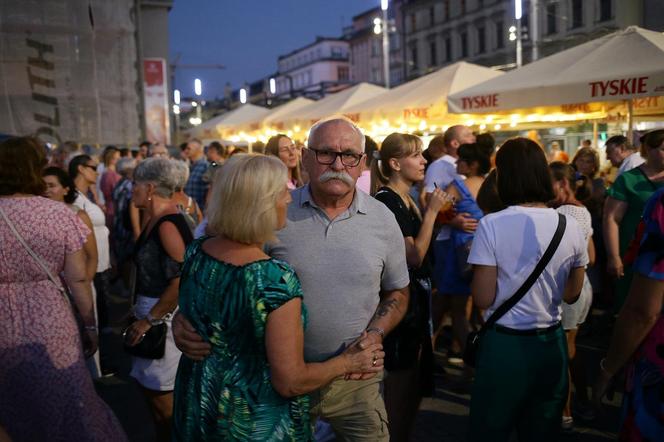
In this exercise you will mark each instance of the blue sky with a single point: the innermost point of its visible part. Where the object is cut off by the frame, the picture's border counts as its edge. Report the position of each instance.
(247, 36)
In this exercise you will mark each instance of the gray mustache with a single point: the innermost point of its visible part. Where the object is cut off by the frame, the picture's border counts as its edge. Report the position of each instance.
(330, 175)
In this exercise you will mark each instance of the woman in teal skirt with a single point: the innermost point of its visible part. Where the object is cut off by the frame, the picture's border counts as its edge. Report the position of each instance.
(248, 306)
(521, 368)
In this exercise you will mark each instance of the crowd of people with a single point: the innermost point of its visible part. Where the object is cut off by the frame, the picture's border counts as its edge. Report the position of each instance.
(299, 293)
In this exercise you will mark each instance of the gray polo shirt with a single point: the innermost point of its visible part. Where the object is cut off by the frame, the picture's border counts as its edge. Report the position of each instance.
(342, 264)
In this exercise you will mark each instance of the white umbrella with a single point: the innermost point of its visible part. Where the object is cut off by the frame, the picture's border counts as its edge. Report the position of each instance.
(333, 104)
(623, 65)
(423, 99)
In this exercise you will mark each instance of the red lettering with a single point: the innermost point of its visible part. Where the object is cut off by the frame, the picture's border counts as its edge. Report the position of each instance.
(476, 102)
(623, 86)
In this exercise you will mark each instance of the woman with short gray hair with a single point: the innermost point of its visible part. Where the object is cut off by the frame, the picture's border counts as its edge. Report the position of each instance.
(158, 257)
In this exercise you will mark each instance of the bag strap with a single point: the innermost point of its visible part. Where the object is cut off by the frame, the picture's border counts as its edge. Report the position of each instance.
(537, 271)
(34, 256)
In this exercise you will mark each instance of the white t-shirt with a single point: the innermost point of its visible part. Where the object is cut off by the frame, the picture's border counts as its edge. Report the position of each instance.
(582, 217)
(513, 240)
(441, 173)
(98, 220)
(629, 163)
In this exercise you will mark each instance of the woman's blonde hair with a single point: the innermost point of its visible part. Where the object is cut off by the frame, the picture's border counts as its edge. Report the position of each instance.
(244, 196)
(396, 145)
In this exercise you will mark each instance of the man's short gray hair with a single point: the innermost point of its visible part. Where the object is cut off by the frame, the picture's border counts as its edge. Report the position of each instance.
(125, 165)
(182, 174)
(161, 172)
(335, 119)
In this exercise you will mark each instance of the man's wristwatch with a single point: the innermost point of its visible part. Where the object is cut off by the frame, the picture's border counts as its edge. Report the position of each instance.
(152, 320)
(378, 330)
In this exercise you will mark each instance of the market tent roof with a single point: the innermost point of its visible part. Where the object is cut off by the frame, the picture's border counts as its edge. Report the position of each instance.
(623, 65)
(424, 98)
(278, 112)
(217, 126)
(336, 103)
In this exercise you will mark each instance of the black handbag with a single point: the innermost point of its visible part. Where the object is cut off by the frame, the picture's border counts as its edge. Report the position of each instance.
(153, 344)
(473, 341)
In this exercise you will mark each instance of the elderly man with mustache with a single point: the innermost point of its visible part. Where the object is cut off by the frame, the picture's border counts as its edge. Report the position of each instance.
(342, 245)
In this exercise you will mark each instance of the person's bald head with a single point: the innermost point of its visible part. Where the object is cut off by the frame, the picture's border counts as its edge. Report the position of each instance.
(455, 136)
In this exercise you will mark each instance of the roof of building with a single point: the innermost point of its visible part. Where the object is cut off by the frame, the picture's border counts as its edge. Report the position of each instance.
(319, 39)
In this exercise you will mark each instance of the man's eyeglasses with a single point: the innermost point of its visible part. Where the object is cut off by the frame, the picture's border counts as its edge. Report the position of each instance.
(90, 166)
(328, 157)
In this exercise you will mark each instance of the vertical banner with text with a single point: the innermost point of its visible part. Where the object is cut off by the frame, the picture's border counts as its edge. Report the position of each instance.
(155, 86)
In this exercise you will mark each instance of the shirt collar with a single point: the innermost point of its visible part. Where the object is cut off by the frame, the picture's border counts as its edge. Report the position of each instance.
(359, 204)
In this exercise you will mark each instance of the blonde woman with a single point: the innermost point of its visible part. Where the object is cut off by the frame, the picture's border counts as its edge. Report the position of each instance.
(248, 306)
(400, 166)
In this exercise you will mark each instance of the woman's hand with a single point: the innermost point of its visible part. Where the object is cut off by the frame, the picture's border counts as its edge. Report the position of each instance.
(614, 267)
(136, 332)
(90, 342)
(369, 360)
(437, 200)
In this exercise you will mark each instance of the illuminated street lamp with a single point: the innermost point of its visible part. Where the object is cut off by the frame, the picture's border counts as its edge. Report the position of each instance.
(386, 43)
(243, 95)
(518, 13)
(176, 96)
(198, 90)
(273, 86)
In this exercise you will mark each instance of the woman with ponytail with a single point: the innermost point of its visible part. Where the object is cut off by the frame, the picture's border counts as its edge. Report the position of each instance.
(571, 188)
(409, 359)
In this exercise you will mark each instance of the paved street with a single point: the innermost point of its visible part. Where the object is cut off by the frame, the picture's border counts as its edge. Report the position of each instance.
(443, 418)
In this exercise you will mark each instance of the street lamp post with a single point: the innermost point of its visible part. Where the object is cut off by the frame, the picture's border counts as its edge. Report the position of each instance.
(198, 90)
(176, 112)
(384, 4)
(518, 13)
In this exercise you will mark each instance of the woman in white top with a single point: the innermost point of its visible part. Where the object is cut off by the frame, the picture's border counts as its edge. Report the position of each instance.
(521, 369)
(83, 171)
(571, 188)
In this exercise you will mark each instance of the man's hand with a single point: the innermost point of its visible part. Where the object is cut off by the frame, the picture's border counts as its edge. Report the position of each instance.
(188, 341)
(463, 221)
(364, 341)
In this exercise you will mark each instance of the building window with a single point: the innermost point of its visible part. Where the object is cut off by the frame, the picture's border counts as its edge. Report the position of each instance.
(395, 42)
(433, 59)
(605, 11)
(413, 22)
(376, 48)
(337, 52)
(343, 73)
(448, 49)
(577, 14)
(464, 44)
(413, 56)
(500, 35)
(551, 19)
(481, 40)
(463, 7)
(446, 9)
(432, 16)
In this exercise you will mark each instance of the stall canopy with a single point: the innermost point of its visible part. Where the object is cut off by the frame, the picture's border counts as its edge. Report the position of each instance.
(420, 103)
(225, 124)
(624, 65)
(337, 103)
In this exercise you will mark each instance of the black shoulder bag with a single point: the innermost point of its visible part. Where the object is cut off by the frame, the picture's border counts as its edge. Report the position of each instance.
(473, 341)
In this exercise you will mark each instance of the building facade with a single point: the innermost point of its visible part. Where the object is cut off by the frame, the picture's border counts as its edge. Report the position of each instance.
(314, 70)
(366, 47)
(440, 32)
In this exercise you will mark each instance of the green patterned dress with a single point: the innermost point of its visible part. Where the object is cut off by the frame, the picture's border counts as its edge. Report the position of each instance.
(228, 396)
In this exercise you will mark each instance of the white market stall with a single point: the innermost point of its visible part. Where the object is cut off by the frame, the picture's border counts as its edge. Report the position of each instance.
(225, 124)
(420, 104)
(613, 75)
(299, 120)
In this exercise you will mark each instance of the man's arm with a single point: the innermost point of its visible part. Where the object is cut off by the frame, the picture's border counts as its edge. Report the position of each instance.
(389, 313)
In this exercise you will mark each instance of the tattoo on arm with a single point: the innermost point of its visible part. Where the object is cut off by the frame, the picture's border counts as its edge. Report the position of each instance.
(385, 307)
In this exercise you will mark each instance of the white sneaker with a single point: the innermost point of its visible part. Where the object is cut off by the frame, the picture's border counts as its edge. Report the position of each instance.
(567, 424)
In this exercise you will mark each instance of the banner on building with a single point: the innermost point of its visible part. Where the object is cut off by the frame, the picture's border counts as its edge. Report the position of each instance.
(157, 125)
(68, 71)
